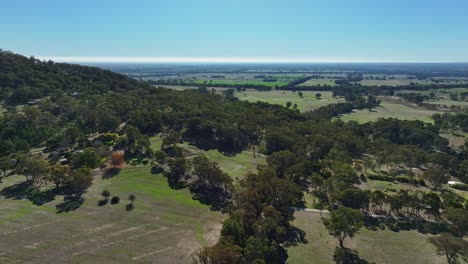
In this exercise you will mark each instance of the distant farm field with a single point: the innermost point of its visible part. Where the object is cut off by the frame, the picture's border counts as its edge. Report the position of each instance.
(240, 83)
(240, 79)
(442, 96)
(388, 110)
(321, 82)
(381, 246)
(401, 79)
(165, 226)
(307, 103)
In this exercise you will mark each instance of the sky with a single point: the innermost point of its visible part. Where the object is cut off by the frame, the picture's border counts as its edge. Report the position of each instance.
(237, 30)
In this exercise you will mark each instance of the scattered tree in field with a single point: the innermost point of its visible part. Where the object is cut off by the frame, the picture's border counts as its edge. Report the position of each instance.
(458, 218)
(450, 246)
(344, 222)
(318, 96)
(81, 179)
(132, 198)
(436, 176)
(59, 175)
(105, 194)
(117, 158)
(131, 205)
(288, 104)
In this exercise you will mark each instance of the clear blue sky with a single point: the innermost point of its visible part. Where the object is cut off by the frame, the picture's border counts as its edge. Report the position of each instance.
(360, 30)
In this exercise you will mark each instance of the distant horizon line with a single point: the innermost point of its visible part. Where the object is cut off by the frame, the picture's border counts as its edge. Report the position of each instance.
(228, 60)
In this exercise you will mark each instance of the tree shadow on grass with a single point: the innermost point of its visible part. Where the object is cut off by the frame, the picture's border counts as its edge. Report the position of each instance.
(70, 203)
(348, 256)
(110, 173)
(407, 224)
(129, 207)
(27, 190)
(103, 202)
(295, 237)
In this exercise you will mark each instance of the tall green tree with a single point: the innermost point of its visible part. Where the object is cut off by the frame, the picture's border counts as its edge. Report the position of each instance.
(344, 222)
(450, 246)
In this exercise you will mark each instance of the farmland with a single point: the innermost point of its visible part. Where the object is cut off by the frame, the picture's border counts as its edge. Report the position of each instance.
(317, 82)
(219, 79)
(165, 226)
(390, 110)
(306, 103)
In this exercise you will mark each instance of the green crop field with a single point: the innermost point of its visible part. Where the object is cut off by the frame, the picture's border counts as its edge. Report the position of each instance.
(165, 226)
(307, 103)
(382, 246)
(390, 109)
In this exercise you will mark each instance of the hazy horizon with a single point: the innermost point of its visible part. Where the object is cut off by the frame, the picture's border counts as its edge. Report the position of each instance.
(216, 60)
(241, 31)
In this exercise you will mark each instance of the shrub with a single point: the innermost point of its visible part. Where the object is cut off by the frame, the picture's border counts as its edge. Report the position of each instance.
(115, 200)
(463, 187)
(363, 177)
(403, 179)
(157, 169)
(380, 178)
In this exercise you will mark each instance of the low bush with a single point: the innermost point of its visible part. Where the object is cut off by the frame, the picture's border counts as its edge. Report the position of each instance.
(115, 200)
(403, 179)
(381, 178)
(463, 187)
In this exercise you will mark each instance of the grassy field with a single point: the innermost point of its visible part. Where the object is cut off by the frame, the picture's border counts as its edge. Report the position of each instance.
(457, 139)
(382, 246)
(394, 82)
(166, 225)
(448, 102)
(241, 82)
(307, 103)
(390, 109)
(321, 82)
(236, 166)
(398, 79)
(239, 79)
(442, 95)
